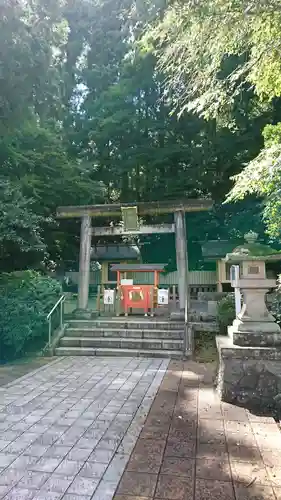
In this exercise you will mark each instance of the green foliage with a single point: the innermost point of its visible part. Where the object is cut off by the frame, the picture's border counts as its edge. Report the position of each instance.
(212, 49)
(225, 313)
(31, 37)
(262, 177)
(20, 227)
(222, 60)
(25, 300)
(205, 347)
(86, 118)
(275, 303)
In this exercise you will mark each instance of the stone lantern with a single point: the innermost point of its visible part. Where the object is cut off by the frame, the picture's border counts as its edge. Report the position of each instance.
(250, 356)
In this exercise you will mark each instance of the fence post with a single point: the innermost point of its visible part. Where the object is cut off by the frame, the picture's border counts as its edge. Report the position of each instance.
(61, 314)
(151, 295)
(98, 299)
(50, 331)
(117, 302)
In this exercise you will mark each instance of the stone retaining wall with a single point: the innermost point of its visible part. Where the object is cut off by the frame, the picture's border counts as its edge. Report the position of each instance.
(249, 376)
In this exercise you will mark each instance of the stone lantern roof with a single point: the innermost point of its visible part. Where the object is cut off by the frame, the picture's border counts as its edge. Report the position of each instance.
(252, 250)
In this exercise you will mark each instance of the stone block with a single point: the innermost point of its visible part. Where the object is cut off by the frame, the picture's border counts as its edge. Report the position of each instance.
(257, 338)
(249, 376)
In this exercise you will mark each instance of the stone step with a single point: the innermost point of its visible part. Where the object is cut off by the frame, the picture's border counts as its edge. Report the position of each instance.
(127, 323)
(102, 351)
(125, 333)
(121, 343)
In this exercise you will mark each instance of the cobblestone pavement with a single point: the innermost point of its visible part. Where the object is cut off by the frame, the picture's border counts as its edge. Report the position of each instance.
(192, 447)
(67, 430)
(92, 429)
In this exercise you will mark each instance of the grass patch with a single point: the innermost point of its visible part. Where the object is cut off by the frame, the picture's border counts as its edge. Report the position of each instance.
(205, 350)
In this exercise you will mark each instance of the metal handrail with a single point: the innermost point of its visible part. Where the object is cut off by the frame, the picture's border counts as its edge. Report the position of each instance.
(188, 332)
(60, 303)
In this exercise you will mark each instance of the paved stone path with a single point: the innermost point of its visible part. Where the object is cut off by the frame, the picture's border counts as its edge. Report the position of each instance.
(192, 447)
(67, 429)
(92, 429)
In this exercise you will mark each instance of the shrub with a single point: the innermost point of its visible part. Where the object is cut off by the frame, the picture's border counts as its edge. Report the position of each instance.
(274, 305)
(226, 312)
(26, 297)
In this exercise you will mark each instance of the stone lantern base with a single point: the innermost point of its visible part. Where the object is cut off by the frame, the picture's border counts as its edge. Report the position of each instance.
(258, 335)
(249, 375)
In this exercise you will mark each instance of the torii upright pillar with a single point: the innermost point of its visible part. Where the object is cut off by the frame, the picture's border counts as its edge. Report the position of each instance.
(182, 258)
(84, 262)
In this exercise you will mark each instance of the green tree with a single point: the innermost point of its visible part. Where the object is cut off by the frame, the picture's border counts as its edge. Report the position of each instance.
(262, 177)
(212, 49)
(222, 61)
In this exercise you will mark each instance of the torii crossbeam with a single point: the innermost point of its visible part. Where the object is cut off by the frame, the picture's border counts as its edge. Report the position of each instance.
(129, 212)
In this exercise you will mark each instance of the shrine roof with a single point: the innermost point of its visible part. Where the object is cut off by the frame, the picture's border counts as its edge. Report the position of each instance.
(217, 249)
(138, 267)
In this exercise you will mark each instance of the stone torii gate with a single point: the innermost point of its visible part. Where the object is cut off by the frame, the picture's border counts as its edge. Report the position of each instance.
(130, 213)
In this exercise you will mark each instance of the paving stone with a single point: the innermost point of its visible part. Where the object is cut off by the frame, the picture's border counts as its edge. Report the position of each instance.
(216, 490)
(46, 464)
(78, 454)
(243, 472)
(126, 497)
(154, 433)
(213, 468)
(35, 450)
(145, 463)
(101, 456)
(147, 447)
(174, 488)
(108, 444)
(24, 462)
(231, 412)
(7, 459)
(3, 444)
(178, 466)
(177, 448)
(69, 496)
(69, 467)
(106, 490)
(4, 490)
(57, 451)
(33, 480)
(211, 431)
(10, 477)
(245, 453)
(57, 483)
(93, 469)
(274, 474)
(237, 439)
(277, 492)
(239, 428)
(116, 468)
(254, 492)
(136, 483)
(19, 494)
(83, 486)
(211, 450)
(271, 458)
(47, 495)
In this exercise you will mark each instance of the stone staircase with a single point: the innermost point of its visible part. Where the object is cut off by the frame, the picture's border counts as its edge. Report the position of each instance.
(122, 337)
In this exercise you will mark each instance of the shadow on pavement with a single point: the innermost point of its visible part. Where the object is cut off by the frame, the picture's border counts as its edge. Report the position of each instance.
(193, 447)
